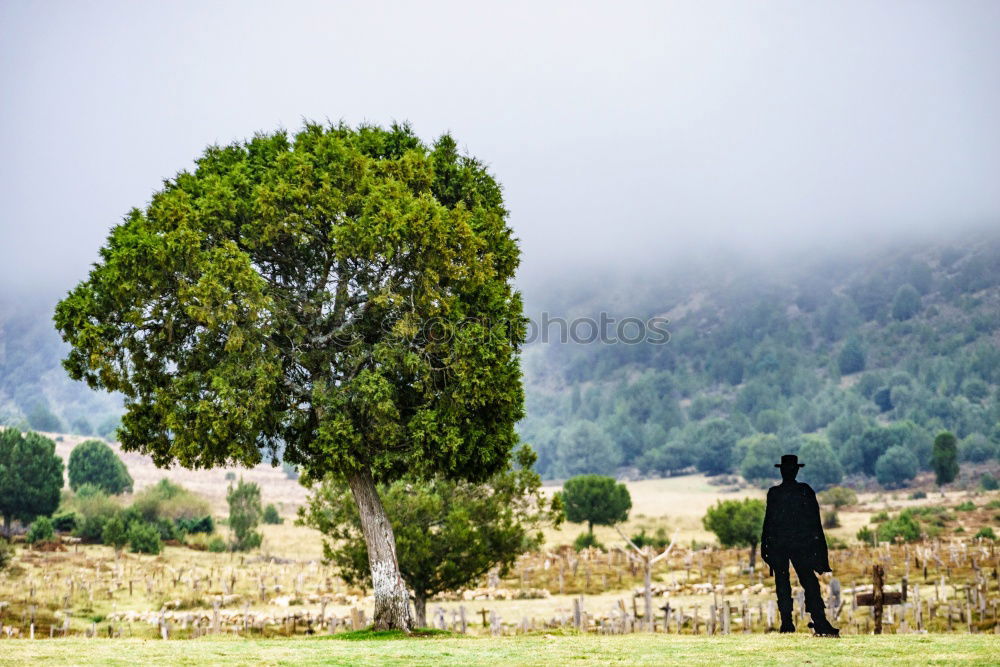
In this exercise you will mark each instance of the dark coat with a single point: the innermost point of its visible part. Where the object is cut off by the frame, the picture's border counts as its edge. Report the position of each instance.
(792, 525)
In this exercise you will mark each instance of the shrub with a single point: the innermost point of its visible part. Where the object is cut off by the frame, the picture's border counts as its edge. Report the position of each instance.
(65, 522)
(216, 544)
(987, 533)
(93, 462)
(144, 538)
(271, 515)
(585, 541)
(918, 495)
(989, 482)
(866, 535)
(39, 531)
(944, 458)
(115, 533)
(880, 517)
(93, 508)
(830, 519)
(977, 448)
(230, 476)
(852, 357)
(658, 540)
(838, 496)
(903, 526)
(835, 543)
(166, 500)
(896, 466)
(244, 514)
(205, 524)
(967, 506)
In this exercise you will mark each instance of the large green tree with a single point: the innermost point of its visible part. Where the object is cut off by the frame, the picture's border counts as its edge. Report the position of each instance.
(93, 462)
(343, 297)
(31, 476)
(448, 532)
(944, 458)
(595, 499)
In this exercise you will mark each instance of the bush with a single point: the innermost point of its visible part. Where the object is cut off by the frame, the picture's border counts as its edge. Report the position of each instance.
(918, 495)
(585, 541)
(658, 540)
(93, 508)
(903, 526)
(830, 519)
(93, 462)
(271, 515)
(205, 524)
(977, 448)
(867, 536)
(115, 533)
(166, 500)
(230, 476)
(144, 538)
(944, 458)
(986, 532)
(65, 522)
(244, 514)
(852, 357)
(216, 544)
(6, 553)
(989, 482)
(39, 531)
(838, 496)
(967, 506)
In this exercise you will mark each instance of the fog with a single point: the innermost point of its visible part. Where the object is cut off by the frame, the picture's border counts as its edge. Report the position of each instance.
(625, 134)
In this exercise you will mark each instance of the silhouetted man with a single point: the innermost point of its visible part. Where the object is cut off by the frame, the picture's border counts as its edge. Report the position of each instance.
(793, 532)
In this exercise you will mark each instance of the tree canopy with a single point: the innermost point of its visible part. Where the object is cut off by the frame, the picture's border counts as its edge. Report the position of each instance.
(31, 476)
(736, 523)
(595, 499)
(944, 457)
(93, 462)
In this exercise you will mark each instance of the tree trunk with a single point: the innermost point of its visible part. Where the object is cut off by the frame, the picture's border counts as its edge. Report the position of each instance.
(392, 601)
(648, 592)
(753, 557)
(6, 525)
(590, 528)
(420, 609)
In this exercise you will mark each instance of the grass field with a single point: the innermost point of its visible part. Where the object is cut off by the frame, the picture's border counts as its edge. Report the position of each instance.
(524, 650)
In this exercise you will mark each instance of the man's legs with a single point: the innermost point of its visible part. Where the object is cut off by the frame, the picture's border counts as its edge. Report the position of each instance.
(814, 599)
(783, 587)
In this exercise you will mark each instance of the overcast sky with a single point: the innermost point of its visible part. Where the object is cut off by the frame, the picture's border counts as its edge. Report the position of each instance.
(622, 132)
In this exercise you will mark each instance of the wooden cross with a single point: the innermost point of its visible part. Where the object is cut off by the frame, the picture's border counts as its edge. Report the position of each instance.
(880, 597)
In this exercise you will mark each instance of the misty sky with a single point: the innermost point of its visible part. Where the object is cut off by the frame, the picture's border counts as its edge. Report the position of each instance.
(623, 132)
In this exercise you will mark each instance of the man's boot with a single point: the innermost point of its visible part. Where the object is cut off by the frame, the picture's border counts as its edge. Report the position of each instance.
(786, 618)
(822, 628)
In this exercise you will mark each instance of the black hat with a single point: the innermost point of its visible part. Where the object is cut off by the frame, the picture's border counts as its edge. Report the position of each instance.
(789, 461)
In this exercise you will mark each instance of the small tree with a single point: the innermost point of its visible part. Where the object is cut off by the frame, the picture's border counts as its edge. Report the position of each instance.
(40, 530)
(93, 462)
(448, 533)
(115, 533)
(595, 499)
(897, 466)
(906, 304)
(144, 538)
(737, 523)
(271, 515)
(244, 514)
(852, 357)
(824, 468)
(838, 496)
(31, 476)
(944, 458)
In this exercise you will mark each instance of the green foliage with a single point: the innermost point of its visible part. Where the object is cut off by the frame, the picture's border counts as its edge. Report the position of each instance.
(42, 419)
(93, 508)
(977, 448)
(944, 458)
(658, 540)
(867, 536)
(967, 506)
(986, 532)
(244, 514)
(715, 441)
(586, 540)
(896, 467)
(906, 303)
(115, 533)
(831, 519)
(31, 476)
(989, 482)
(838, 496)
(822, 469)
(271, 515)
(40, 530)
(65, 522)
(448, 532)
(333, 249)
(93, 462)
(6, 553)
(852, 357)
(203, 524)
(736, 522)
(903, 526)
(595, 499)
(585, 446)
(762, 452)
(167, 500)
(144, 538)
(216, 544)
(918, 495)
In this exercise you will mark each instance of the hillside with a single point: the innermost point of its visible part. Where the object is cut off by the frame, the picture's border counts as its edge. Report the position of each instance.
(839, 357)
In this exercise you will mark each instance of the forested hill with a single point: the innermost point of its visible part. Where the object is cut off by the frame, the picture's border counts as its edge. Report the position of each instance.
(855, 361)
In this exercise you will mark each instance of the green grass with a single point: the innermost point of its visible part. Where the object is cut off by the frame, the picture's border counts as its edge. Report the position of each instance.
(522, 650)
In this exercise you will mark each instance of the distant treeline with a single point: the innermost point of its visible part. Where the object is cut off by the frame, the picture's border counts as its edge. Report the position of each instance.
(853, 364)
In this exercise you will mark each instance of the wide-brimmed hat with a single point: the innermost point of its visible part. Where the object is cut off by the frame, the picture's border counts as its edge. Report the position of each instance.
(789, 461)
